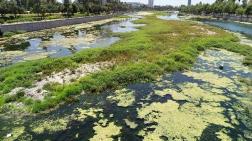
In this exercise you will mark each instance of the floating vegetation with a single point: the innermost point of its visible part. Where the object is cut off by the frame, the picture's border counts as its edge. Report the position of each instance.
(202, 105)
(64, 41)
(189, 106)
(105, 133)
(15, 133)
(49, 126)
(20, 45)
(6, 57)
(69, 42)
(176, 122)
(215, 79)
(123, 98)
(36, 56)
(83, 114)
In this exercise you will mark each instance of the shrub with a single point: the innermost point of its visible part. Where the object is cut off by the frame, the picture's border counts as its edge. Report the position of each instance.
(8, 34)
(2, 21)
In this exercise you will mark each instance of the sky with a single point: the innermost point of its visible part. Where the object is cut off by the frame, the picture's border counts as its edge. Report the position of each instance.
(170, 2)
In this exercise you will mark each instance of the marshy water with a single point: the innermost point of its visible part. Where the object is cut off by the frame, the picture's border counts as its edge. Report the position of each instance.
(211, 101)
(60, 45)
(243, 28)
(170, 16)
(204, 103)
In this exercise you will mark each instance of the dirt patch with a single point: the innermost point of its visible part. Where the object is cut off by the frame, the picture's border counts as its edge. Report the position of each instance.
(204, 30)
(64, 77)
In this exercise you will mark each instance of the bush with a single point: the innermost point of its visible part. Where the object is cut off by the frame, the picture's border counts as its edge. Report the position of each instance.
(2, 21)
(8, 34)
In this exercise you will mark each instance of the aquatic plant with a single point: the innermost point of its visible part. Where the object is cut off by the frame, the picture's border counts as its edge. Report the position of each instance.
(160, 46)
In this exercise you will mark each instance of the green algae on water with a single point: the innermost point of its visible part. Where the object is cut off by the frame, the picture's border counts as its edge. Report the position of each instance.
(105, 133)
(123, 97)
(50, 125)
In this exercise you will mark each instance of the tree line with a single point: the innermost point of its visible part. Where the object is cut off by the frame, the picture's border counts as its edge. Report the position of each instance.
(220, 7)
(67, 7)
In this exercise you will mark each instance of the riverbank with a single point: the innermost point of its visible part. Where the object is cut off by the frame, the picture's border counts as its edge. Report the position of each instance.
(40, 25)
(201, 17)
(139, 56)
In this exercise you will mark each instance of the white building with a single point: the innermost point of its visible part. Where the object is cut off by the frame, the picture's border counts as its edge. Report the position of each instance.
(151, 3)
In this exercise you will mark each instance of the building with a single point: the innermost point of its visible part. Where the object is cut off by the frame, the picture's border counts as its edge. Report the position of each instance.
(135, 4)
(189, 2)
(104, 2)
(151, 3)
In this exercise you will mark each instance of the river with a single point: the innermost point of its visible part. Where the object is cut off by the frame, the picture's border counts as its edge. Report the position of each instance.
(65, 44)
(207, 102)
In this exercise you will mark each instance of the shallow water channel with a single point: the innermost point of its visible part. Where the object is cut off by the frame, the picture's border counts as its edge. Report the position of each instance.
(60, 45)
(204, 103)
(236, 27)
(243, 28)
(170, 16)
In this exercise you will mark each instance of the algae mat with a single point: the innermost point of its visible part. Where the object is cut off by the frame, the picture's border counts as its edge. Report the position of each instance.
(207, 103)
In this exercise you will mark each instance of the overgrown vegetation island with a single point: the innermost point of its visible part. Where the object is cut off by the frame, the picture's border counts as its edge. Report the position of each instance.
(164, 80)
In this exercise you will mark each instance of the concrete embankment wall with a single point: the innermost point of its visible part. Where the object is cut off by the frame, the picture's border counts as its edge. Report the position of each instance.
(40, 25)
(243, 18)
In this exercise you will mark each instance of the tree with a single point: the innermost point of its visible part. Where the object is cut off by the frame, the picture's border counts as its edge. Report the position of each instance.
(244, 3)
(3, 8)
(75, 8)
(37, 4)
(240, 11)
(248, 10)
(14, 8)
(67, 8)
(85, 6)
(230, 7)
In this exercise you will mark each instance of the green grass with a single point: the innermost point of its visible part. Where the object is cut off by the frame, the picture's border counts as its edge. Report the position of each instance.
(9, 34)
(141, 56)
